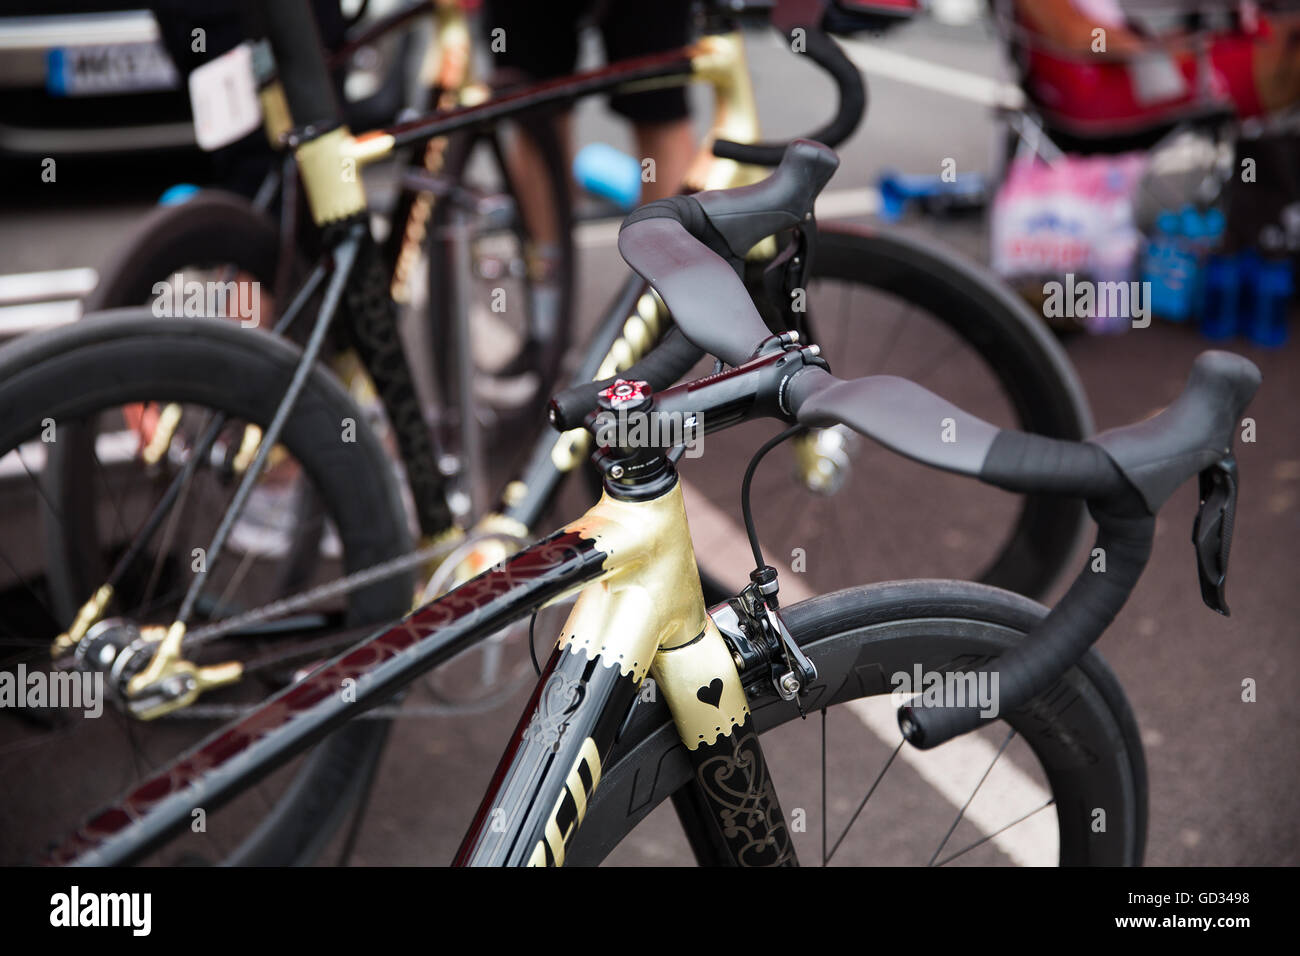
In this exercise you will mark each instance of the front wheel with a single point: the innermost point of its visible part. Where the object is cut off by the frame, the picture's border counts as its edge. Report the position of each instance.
(1061, 780)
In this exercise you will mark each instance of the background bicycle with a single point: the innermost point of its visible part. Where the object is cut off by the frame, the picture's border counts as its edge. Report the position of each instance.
(1098, 365)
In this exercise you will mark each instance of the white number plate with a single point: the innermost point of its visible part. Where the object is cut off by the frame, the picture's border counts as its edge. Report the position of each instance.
(106, 69)
(223, 96)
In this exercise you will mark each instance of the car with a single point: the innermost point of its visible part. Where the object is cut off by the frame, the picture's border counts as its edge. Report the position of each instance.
(93, 77)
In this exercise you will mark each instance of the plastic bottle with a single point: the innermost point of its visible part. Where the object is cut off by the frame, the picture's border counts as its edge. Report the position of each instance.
(605, 171)
(1171, 269)
(1266, 322)
(175, 195)
(1222, 297)
(1202, 233)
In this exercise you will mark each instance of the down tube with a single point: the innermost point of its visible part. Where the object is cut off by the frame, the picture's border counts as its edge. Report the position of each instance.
(239, 754)
(539, 793)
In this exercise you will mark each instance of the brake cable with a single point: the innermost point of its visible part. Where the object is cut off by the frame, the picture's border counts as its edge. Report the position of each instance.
(763, 590)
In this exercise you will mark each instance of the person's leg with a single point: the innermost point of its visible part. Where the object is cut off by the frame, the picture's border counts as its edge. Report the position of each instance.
(671, 145)
(661, 118)
(532, 188)
(540, 40)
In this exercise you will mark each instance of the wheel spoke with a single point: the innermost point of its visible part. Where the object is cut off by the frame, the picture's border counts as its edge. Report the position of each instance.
(891, 341)
(103, 480)
(923, 373)
(169, 533)
(985, 839)
(962, 812)
(40, 490)
(826, 858)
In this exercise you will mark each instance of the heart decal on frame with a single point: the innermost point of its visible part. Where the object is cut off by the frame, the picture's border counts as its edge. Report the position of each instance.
(712, 694)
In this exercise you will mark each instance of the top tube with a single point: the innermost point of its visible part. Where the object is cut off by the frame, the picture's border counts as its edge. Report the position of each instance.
(672, 68)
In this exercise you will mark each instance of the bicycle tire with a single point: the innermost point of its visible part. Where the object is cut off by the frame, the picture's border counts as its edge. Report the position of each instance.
(211, 228)
(1082, 730)
(1029, 364)
(128, 355)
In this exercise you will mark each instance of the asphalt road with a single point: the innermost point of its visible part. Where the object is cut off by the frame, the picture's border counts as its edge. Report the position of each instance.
(1224, 774)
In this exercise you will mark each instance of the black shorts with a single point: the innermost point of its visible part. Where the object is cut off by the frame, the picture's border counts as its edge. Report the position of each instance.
(541, 39)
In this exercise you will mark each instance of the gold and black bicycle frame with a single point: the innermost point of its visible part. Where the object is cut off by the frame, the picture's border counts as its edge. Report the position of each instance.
(642, 618)
(329, 159)
(639, 616)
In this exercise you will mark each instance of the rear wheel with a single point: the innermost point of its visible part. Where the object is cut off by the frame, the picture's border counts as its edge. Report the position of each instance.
(92, 379)
(1062, 780)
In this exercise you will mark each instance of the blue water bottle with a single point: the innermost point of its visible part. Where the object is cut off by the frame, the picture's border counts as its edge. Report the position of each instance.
(1221, 298)
(605, 171)
(1266, 323)
(1155, 263)
(1171, 269)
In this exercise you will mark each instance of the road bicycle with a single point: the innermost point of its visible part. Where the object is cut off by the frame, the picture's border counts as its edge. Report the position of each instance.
(591, 756)
(933, 314)
(222, 404)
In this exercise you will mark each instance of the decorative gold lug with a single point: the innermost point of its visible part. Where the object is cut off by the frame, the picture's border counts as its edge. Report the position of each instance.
(169, 420)
(88, 614)
(369, 147)
(720, 60)
(330, 166)
(685, 671)
(275, 114)
(650, 597)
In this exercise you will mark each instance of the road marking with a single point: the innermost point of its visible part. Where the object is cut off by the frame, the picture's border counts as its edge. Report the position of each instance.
(954, 768)
(111, 449)
(16, 320)
(877, 60)
(41, 286)
(32, 301)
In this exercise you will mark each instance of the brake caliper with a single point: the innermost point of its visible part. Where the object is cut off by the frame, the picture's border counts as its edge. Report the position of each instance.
(761, 644)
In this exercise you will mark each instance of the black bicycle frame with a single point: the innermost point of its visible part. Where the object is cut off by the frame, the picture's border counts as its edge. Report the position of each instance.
(365, 676)
(369, 314)
(552, 765)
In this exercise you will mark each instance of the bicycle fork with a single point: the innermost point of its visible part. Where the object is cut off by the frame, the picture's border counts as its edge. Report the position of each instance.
(638, 631)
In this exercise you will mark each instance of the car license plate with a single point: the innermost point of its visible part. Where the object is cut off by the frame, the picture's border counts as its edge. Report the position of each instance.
(100, 70)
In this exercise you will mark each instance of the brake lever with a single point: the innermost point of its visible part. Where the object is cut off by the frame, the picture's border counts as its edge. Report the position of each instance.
(786, 277)
(1212, 531)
